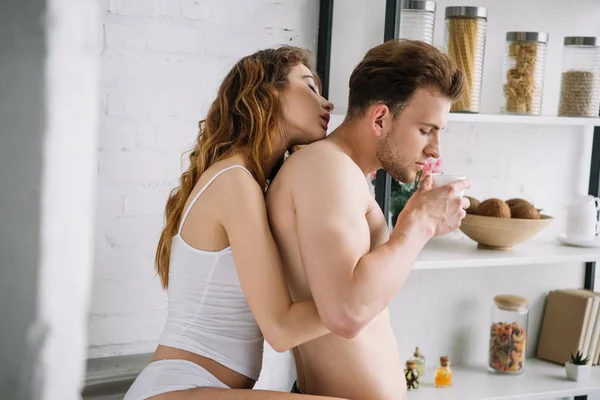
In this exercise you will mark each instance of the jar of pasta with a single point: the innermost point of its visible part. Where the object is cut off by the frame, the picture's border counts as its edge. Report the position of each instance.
(580, 81)
(466, 30)
(417, 20)
(524, 68)
(508, 334)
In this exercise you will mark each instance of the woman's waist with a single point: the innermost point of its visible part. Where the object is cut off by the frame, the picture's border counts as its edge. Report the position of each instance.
(240, 354)
(228, 376)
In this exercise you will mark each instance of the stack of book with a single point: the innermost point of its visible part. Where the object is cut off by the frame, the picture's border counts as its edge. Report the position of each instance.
(571, 323)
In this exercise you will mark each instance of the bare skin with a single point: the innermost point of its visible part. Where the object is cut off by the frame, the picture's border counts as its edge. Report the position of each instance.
(337, 249)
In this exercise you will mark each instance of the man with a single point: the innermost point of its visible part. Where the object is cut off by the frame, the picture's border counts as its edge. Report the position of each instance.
(332, 234)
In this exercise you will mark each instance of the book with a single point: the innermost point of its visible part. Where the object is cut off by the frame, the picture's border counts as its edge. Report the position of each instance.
(593, 326)
(564, 326)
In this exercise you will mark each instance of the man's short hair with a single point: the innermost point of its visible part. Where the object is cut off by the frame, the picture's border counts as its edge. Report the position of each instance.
(391, 73)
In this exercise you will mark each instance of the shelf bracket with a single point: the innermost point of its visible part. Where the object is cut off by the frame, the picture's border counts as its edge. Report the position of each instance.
(324, 44)
(383, 182)
(594, 187)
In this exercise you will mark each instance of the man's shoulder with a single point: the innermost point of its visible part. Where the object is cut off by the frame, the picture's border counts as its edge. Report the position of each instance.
(323, 159)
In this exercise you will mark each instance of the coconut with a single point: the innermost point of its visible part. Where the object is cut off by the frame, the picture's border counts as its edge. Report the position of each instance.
(520, 208)
(513, 202)
(524, 211)
(474, 203)
(493, 208)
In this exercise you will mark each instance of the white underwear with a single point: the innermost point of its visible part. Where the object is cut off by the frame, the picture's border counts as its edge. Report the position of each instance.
(165, 376)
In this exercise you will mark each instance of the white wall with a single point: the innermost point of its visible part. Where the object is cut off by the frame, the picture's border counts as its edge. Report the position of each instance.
(162, 61)
(48, 124)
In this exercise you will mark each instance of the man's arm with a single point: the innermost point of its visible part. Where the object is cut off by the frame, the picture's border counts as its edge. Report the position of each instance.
(349, 284)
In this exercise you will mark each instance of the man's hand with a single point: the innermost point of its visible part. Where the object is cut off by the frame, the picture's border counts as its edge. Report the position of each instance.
(441, 209)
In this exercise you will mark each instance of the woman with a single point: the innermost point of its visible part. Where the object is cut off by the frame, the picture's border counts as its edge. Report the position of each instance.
(216, 254)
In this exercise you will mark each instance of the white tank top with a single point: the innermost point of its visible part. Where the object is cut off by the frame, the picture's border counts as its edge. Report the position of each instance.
(208, 313)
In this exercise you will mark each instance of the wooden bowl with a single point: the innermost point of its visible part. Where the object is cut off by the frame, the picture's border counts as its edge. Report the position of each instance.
(502, 233)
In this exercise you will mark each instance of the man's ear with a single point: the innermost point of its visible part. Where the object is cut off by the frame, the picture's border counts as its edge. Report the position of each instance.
(380, 116)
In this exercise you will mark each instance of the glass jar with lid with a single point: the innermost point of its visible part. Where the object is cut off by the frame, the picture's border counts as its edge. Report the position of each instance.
(417, 20)
(524, 69)
(508, 334)
(466, 30)
(580, 81)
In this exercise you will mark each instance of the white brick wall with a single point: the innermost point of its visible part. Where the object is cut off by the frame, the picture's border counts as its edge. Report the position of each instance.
(162, 61)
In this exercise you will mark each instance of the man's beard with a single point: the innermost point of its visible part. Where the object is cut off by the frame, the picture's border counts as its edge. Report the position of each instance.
(392, 162)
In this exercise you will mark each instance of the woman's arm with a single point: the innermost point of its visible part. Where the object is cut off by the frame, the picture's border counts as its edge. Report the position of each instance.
(284, 324)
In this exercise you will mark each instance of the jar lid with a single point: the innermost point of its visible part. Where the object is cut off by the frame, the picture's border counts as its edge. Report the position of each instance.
(541, 37)
(469, 12)
(424, 5)
(510, 302)
(411, 364)
(582, 41)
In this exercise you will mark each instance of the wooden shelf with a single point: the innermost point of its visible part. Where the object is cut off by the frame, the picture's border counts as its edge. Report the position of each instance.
(441, 253)
(540, 380)
(336, 120)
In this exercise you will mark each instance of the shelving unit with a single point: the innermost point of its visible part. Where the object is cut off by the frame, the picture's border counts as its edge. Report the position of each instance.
(540, 381)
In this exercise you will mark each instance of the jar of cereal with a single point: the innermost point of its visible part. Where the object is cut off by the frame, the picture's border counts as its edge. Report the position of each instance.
(466, 32)
(508, 334)
(580, 83)
(524, 69)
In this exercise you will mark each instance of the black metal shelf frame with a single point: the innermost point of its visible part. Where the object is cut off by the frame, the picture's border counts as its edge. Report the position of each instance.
(383, 179)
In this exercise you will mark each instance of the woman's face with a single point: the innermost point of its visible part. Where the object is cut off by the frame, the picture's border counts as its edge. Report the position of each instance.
(305, 111)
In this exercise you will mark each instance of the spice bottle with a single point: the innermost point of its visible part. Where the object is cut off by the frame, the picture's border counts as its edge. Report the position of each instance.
(417, 20)
(580, 82)
(524, 68)
(443, 375)
(412, 375)
(419, 360)
(466, 30)
(508, 334)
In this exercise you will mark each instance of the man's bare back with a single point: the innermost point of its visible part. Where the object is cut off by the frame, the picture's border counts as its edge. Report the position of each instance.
(366, 366)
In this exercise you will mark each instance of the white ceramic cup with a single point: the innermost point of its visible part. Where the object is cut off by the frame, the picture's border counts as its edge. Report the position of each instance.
(444, 179)
(582, 218)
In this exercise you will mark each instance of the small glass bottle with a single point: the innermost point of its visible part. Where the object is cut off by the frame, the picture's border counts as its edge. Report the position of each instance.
(419, 360)
(508, 335)
(411, 375)
(417, 20)
(443, 375)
